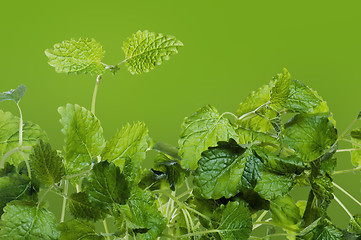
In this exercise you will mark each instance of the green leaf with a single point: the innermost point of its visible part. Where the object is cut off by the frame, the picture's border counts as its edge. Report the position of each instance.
(222, 173)
(24, 220)
(77, 56)
(236, 222)
(202, 130)
(132, 141)
(281, 89)
(311, 136)
(323, 189)
(76, 229)
(46, 164)
(356, 154)
(329, 232)
(251, 137)
(144, 216)
(144, 50)
(106, 185)
(81, 207)
(354, 225)
(84, 138)
(285, 211)
(16, 187)
(14, 94)
(9, 137)
(272, 186)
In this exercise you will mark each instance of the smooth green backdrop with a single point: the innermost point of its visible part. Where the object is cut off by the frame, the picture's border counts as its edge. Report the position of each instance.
(230, 48)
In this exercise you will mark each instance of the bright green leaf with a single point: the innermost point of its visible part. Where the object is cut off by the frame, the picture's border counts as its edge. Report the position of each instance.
(257, 138)
(106, 185)
(272, 186)
(310, 136)
(356, 139)
(9, 137)
(285, 211)
(25, 221)
(76, 229)
(236, 222)
(202, 130)
(221, 169)
(46, 164)
(77, 56)
(131, 141)
(84, 138)
(81, 207)
(281, 90)
(144, 50)
(14, 94)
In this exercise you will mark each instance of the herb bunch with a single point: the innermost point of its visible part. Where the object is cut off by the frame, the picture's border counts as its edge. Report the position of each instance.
(229, 172)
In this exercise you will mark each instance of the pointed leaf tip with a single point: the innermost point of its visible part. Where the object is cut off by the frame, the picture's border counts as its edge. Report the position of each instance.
(14, 94)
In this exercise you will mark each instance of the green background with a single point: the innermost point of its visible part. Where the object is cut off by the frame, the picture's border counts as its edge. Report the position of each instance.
(230, 48)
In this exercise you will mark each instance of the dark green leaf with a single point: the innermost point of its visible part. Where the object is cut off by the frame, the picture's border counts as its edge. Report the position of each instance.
(81, 207)
(46, 164)
(285, 211)
(252, 171)
(14, 94)
(8, 169)
(310, 136)
(76, 229)
(323, 189)
(106, 185)
(354, 225)
(24, 220)
(327, 233)
(272, 186)
(202, 130)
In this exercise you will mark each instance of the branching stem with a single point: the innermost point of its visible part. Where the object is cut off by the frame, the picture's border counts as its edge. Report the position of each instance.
(106, 229)
(343, 206)
(345, 192)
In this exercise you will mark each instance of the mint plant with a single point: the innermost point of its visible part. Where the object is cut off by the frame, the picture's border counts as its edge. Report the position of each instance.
(231, 173)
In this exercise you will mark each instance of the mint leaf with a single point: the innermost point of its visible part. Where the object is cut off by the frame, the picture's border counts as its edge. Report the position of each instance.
(24, 220)
(9, 136)
(14, 94)
(222, 170)
(84, 138)
(309, 135)
(201, 130)
(355, 224)
(77, 56)
(132, 141)
(251, 137)
(329, 232)
(144, 50)
(285, 211)
(236, 222)
(81, 207)
(281, 89)
(143, 216)
(76, 229)
(356, 154)
(106, 185)
(271, 185)
(16, 187)
(46, 164)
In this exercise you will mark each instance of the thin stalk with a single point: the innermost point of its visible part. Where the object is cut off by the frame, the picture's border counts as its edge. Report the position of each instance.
(347, 150)
(95, 93)
(260, 219)
(350, 141)
(253, 112)
(186, 220)
(106, 228)
(198, 233)
(347, 129)
(278, 225)
(77, 174)
(8, 154)
(43, 196)
(229, 113)
(27, 163)
(345, 192)
(343, 206)
(347, 170)
(20, 126)
(189, 191)
(65, 192)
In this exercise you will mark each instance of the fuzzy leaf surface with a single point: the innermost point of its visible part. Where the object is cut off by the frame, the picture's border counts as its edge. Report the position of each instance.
(221, 171)
(9, 136)
(309, 135)
(14, 94)
(23, 220)
(76, 229)
(272, 185)
(77, 56)
(81, 207)
(202, 130)
(144, 50)
(131, 141)
(84, 138)
(236, 222)
(46, 164)
(106, 185)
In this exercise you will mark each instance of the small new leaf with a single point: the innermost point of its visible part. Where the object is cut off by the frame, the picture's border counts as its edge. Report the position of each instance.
(202, 130)
(77, 229)
(77, 56)
(46, 164)
(144, 50)
(25, 220)
(14, 94)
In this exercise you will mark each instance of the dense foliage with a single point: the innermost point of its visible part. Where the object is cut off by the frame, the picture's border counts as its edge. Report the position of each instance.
(227, 174)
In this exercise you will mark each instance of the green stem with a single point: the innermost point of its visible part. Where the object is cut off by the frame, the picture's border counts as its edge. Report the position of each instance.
(350, 141)
(106, 228)
(347, 150)
(77, 174)
(8, 154)
(345, 192)
(43, 196)
(26, 163)
(95, 93)
(65, 192)
(186, 220)
(278, 225)
(347, 129)
(260, 219)
(198, 233)
(343, 206)
(189, 191)
(20, 126)
(347, 170)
